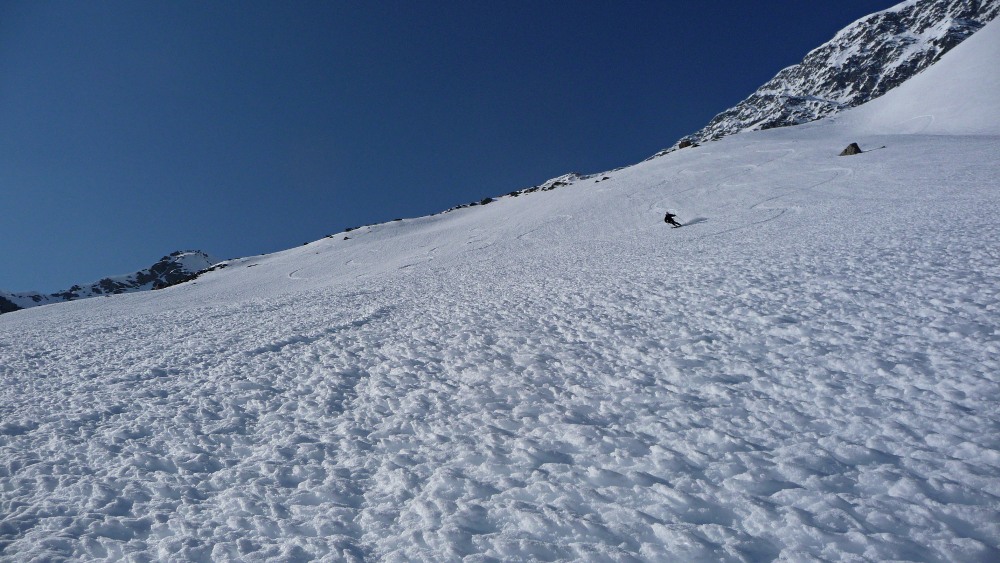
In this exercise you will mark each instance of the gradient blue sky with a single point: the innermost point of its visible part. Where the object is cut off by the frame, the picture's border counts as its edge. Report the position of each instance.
(131, 129)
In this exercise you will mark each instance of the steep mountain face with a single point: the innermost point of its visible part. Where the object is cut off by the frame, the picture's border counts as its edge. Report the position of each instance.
(170, 269)
(863, 61)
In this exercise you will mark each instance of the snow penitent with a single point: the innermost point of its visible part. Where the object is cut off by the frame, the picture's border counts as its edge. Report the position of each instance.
(808, 370)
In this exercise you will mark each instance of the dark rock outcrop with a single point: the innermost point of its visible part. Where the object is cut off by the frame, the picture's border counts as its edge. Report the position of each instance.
(852, 149)
(8, 306)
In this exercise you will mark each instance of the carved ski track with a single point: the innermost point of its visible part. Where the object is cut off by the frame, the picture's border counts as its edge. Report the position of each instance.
(781, 210)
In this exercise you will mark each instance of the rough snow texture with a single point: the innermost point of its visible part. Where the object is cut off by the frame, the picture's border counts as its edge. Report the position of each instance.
(168, 270)
(862, 62)
(808, 370)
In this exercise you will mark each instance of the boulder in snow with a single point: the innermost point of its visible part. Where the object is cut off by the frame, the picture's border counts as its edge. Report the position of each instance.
(851, 149)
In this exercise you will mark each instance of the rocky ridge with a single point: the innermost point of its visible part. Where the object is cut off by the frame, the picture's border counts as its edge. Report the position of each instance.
(168, 270)
(863, 61)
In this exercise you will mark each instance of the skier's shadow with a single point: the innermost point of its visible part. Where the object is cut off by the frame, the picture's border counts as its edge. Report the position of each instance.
(696, 220)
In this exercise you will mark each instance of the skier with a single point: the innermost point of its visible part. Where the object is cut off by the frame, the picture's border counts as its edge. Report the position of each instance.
(669, 218)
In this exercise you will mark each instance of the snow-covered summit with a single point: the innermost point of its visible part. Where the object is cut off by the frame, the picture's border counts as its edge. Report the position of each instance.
(862, 62)
(168, 270)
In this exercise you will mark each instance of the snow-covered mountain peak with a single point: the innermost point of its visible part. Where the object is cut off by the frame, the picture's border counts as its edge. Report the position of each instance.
(862, 62)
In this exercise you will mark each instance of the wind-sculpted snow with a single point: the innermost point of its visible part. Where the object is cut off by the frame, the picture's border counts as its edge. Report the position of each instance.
(807, 370)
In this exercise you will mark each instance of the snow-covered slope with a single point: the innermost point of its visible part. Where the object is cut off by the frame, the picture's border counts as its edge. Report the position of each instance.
(808, 370)
(941, 100)
(170, 269)
(862, 62)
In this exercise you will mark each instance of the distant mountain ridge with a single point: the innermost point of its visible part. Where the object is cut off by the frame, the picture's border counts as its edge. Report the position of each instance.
(863, 61)
(170, 269)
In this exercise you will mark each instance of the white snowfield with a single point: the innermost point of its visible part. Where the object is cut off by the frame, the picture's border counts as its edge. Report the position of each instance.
(808, 370)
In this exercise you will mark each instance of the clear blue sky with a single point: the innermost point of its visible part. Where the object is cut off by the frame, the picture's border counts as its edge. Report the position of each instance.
(131, 129)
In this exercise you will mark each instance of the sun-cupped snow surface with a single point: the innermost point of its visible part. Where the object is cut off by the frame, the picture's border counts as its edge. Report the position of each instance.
(807, 370)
